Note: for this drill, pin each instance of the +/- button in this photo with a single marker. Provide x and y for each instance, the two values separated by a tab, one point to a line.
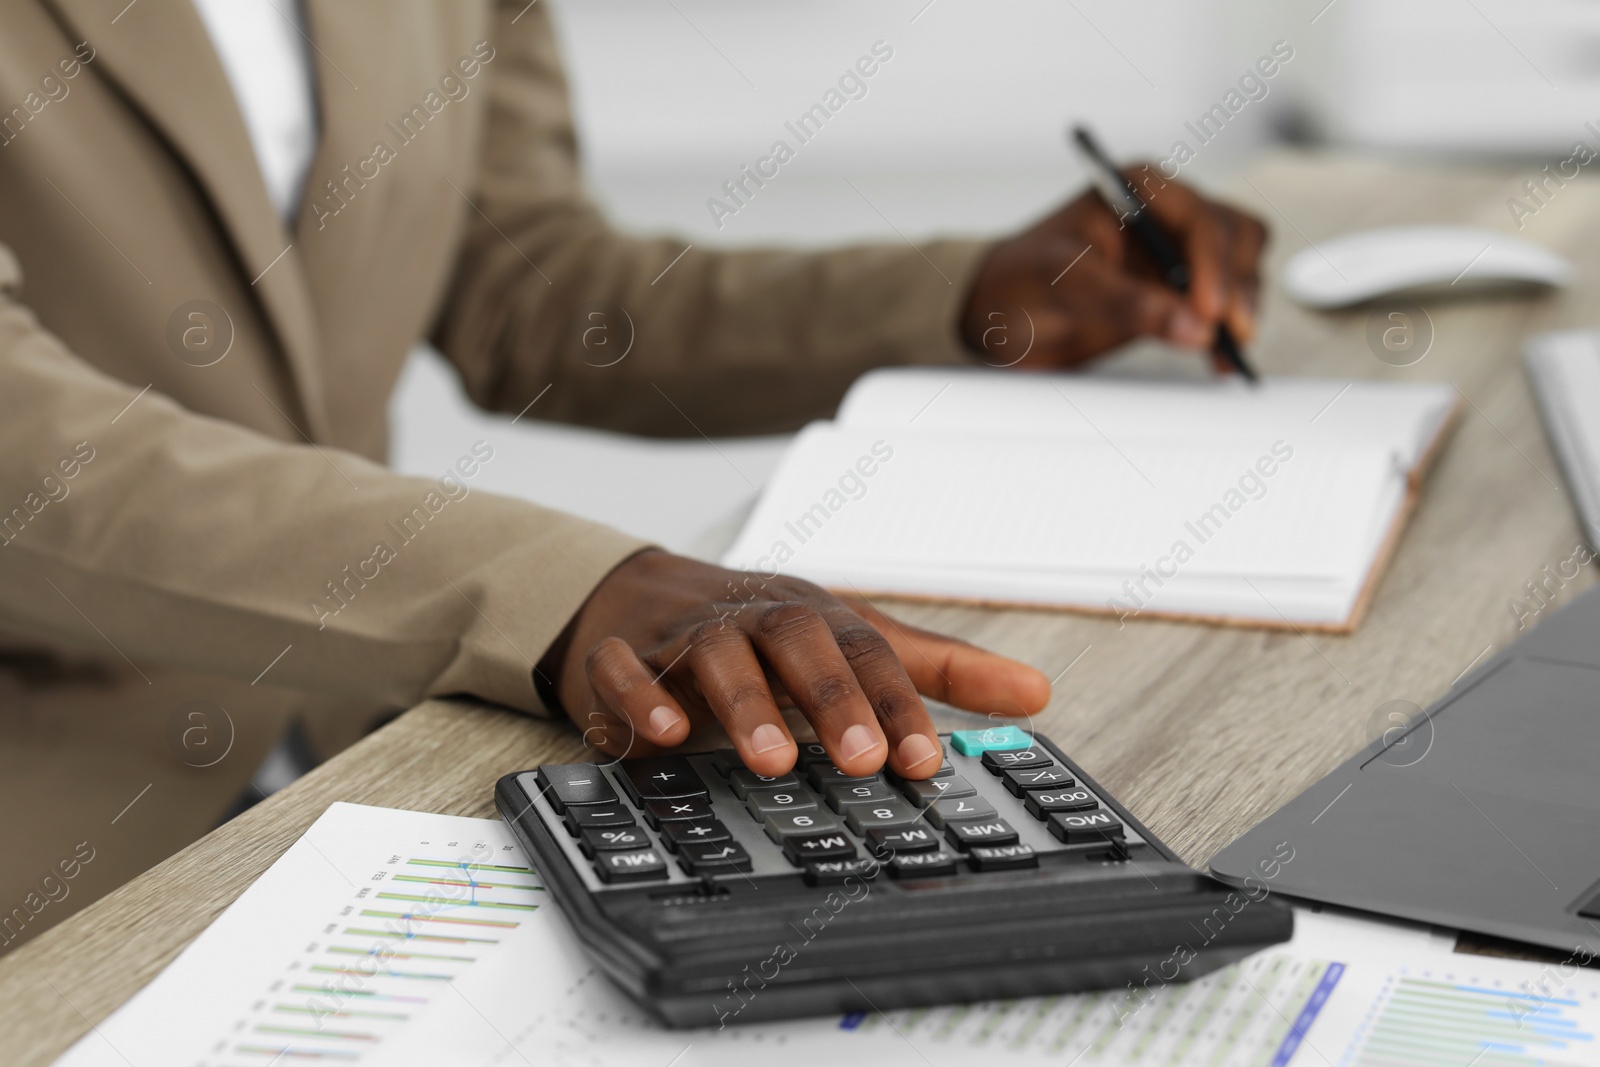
1019	782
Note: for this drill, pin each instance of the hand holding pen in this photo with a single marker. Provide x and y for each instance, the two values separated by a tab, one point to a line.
1082	281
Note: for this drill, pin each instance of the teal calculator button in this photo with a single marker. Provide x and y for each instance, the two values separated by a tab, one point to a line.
993	739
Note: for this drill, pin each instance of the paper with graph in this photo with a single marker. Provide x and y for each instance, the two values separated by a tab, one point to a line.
1274	505
402	939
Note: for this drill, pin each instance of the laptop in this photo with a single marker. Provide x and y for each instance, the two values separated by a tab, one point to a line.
1482	813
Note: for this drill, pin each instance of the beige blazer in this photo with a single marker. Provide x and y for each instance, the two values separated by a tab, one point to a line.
198	537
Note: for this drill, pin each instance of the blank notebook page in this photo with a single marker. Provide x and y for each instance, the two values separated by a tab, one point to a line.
1268	504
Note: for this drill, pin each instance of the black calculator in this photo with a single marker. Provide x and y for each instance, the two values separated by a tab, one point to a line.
714	895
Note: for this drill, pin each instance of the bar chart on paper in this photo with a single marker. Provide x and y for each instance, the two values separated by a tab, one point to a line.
1345	993
386	956
1446	1015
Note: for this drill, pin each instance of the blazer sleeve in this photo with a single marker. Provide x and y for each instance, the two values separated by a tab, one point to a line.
133	527
545	293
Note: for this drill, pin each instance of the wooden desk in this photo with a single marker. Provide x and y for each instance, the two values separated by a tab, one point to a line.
1201	731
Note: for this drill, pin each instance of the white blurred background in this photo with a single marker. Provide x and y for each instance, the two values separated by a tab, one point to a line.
961	131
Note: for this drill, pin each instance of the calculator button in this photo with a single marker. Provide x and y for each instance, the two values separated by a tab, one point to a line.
804	848
980	832
709	831
825	774
725	761
812	752
724	857
833	872
945	770
742	781
977	742
643	865
1087	827
613	839
1042	802
923	864
1016	759
926	792
943	811
660	778
596	815
842	795
763	802
1020	781
660	812
574	783
1001	857
892	812
782	824
893	840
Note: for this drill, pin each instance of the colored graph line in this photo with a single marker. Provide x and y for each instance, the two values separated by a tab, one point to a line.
412	917
289	1052
458	903
345	950
329	1035
319	990
343	1013
320	968
457	865
448	939
1429	1021
466	883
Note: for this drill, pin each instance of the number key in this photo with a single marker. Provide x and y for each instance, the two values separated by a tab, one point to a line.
1041	802
782	824
892	812
926	792
842	795
763	802
743	780
954	808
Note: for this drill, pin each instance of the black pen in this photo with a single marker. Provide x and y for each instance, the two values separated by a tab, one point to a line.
1123	199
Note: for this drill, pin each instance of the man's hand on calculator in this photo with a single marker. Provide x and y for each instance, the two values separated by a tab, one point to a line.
665	643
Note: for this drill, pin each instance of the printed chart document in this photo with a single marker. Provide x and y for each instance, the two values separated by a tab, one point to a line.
1275	505
403	939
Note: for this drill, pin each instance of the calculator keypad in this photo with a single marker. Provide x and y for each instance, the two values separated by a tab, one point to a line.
1001	802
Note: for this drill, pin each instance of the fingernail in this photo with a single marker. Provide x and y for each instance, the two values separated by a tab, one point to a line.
915	750
857	741
1189	329
663	719
767	737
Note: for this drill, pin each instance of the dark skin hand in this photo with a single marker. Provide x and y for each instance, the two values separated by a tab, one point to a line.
666	644
1024	311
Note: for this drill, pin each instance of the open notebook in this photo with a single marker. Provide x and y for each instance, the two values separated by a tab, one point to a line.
1268	506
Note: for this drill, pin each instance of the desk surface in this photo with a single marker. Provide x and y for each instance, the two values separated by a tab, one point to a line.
1200	731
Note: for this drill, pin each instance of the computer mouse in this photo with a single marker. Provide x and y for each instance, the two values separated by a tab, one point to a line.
1410	259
